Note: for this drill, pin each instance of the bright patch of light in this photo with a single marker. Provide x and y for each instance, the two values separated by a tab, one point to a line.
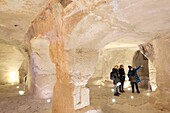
21	92
126	78
112	90
17	87
118	84
12	83
126	84
48	100
99	86
129	89
148	94
13	77
132	97
113	100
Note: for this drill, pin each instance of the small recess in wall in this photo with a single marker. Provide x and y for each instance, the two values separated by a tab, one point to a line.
16	25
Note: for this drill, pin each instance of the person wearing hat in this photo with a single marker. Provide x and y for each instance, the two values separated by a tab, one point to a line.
134	78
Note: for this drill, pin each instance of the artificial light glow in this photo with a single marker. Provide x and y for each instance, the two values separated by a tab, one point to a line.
17	87
132	97
48	100
113	100
148	94
13	77
99	86
129	89
21	92
112	90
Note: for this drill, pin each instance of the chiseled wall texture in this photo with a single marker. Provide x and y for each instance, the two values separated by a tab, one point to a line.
75	42
49	25
158	52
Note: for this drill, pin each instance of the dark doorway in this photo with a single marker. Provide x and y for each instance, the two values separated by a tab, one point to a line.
140	59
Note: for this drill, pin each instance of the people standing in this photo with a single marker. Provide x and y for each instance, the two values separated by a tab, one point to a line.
134	78
115	77
122	78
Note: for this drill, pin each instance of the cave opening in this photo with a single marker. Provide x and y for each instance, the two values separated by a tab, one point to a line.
148	73
11	60
100	85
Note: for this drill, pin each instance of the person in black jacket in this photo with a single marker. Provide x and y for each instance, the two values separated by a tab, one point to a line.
115	77
122	78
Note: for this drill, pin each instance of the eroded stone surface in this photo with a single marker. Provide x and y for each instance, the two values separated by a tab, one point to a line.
78	30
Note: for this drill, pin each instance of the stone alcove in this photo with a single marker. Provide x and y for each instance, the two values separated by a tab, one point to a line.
147	73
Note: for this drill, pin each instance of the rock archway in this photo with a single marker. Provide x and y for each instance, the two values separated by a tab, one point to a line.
75	42
147	73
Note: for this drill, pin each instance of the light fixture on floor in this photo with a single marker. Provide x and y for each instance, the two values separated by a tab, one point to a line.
112	90
129	89
48	100
132	97
17	87
21	92
148	94
113	100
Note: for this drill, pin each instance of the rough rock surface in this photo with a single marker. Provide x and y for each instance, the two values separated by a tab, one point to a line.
161	61
79	30
10	61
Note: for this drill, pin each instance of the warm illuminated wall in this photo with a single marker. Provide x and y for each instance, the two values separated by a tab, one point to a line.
79	30
10	61
114	56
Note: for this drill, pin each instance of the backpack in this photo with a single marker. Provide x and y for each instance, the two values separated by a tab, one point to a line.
111	76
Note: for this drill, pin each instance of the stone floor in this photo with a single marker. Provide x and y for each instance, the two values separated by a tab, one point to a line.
101	100
12	102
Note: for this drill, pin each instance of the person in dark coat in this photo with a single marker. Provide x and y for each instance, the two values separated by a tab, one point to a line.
134	78
116	79
122	78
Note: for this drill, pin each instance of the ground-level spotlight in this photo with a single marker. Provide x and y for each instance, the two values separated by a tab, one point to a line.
21	92
148	94
113	90
132	97
48	100
113	100
17	87
99	86
129	89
